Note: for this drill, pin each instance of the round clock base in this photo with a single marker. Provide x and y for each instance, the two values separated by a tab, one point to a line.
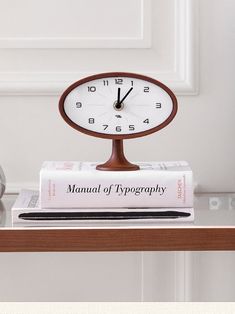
117	160
123	167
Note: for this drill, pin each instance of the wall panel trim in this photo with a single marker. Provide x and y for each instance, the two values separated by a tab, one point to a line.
142	40
182	79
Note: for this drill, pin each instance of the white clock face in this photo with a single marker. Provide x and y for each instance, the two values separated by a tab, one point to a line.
121	105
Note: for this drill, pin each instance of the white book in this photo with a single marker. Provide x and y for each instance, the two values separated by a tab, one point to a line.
78	184
26	211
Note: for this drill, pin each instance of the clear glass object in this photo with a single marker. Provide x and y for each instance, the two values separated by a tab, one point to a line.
2	182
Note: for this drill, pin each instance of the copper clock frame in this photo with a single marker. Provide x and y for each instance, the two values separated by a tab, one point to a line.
117	161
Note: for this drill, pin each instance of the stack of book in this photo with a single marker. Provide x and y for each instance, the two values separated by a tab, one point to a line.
75	193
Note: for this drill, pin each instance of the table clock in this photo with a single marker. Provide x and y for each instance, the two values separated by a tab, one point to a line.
118	106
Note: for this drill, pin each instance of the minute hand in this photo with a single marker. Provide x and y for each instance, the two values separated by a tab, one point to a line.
126	95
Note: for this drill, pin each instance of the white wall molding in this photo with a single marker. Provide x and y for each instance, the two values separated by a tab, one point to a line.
16	187
183	276
182	79
141	40
186	46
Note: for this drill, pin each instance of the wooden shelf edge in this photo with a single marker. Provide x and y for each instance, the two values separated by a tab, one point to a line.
103	240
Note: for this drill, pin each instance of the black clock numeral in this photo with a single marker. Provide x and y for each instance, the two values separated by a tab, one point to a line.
91	120
118	81
131	127
132	83
118	128
146	89
105	82
158	105
91	89
105	126
146	121
78	104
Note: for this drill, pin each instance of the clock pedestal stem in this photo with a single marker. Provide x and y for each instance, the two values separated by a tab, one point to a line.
117	160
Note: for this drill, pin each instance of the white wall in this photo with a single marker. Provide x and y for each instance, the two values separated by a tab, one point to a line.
187	44
160	39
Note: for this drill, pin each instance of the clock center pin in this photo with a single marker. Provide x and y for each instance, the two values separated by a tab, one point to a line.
118	106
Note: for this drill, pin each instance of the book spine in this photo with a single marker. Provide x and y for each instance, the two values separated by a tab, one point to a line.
73	190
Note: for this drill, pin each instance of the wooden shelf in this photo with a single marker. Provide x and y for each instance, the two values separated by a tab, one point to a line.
167	239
